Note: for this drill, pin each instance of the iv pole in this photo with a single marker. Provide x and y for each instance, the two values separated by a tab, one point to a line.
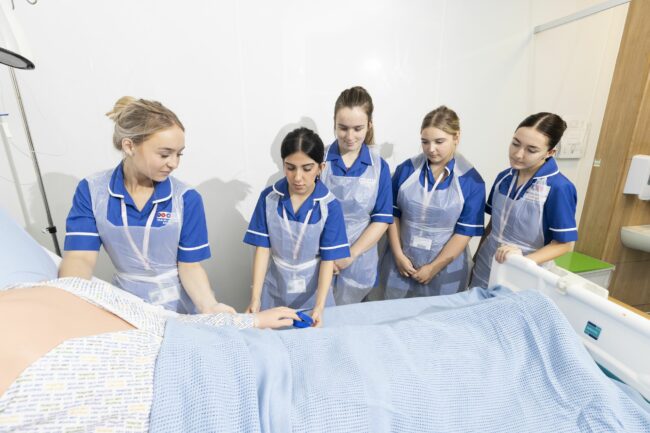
51	228
14	60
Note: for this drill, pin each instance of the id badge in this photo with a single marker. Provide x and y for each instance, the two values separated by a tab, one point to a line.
366	180
165	295
297	285
421	243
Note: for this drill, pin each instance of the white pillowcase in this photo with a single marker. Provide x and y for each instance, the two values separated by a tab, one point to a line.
22	259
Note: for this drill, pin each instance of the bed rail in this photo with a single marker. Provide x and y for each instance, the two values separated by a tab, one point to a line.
616	335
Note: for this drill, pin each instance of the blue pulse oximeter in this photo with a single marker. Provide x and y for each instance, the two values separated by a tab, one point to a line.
304	322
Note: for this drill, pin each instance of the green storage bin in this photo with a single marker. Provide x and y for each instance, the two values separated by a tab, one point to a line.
594	270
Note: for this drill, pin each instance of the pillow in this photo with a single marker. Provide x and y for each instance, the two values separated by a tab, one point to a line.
22	259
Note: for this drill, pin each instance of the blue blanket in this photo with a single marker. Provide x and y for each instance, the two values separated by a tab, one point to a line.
509	363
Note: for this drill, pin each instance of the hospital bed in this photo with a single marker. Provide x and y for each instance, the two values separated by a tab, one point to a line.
616	335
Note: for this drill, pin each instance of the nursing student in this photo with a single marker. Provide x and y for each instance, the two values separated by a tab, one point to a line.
532	204
439	205
360	180
151	224
298	231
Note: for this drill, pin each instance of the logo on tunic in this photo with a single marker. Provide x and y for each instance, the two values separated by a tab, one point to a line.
163	217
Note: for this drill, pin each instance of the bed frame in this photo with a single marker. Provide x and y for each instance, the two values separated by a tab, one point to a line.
616	335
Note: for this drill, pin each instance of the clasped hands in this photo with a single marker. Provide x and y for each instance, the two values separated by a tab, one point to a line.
422	275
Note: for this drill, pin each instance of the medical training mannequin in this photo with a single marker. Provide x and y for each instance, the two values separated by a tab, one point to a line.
532	204
35	320
151	225
439	203
360	180
298	224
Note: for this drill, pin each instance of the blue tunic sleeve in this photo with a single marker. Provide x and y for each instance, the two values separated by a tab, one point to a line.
258	232
560	211
383	210
193	245
488	205
334	239
472	217
80	226
402	172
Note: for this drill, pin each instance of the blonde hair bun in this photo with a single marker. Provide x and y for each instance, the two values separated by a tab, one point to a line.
119	106
443	118
138	119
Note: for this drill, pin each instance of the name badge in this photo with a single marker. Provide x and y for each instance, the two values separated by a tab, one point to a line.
367	180
297	285
164	295
421	243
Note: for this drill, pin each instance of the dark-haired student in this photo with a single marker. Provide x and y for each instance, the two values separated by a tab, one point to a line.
298	231
532	204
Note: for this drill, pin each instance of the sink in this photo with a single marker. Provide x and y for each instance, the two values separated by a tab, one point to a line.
636	237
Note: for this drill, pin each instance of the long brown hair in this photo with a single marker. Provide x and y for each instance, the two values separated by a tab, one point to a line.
357	97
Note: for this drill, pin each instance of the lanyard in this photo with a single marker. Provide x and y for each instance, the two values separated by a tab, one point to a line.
303	229
142	254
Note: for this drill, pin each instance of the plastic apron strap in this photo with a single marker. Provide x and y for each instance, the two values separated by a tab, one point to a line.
428	194
507	209
147	232
136	250
301	234
145	279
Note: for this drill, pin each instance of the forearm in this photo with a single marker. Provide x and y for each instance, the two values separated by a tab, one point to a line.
324	282
78	264
452	249
260	266
196	284
394	239
240	321
368	239
551	251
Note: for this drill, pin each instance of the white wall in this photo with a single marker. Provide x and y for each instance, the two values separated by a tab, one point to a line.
572	73
241	74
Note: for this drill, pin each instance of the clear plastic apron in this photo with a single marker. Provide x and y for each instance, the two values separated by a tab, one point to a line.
357	196
426	225
145	257
514	222
292	277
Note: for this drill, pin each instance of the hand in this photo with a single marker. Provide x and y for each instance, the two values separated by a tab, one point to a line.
505	250
218	307
317	315
254	306
404	266
341	264
426	273
278	317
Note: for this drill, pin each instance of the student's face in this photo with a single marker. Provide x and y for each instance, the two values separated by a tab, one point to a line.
159	155
351	126
301	172
437	145
528	149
